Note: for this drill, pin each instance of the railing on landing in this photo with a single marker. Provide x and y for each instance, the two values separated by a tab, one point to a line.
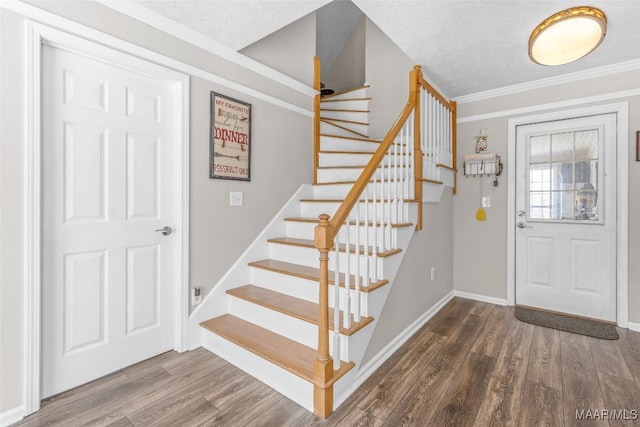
378	200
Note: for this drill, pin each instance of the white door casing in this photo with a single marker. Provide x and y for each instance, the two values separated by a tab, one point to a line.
565	253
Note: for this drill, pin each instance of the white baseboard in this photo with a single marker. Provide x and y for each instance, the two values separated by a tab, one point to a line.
633	326
377	361
483	298
11	416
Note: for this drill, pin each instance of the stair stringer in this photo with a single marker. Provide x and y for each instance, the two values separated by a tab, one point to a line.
216	302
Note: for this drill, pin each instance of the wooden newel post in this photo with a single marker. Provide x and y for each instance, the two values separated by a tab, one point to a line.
323	365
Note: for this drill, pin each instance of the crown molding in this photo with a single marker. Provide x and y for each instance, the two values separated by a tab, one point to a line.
155	20
36	14
551	81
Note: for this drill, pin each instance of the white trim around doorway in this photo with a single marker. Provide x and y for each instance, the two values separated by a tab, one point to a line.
36	35
621	109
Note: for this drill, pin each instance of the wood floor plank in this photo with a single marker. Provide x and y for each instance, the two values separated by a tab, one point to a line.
503	399
608	358
230	393
423	398
629	344
492	335
460	405
159	409
541	405
360	418
580	386
260	400
197	413
622	396
390	389
545	367
448	323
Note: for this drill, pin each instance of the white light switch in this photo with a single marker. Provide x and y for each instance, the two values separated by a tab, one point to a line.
486	202
235	198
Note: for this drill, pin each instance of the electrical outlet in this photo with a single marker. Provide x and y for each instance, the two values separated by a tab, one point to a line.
433	274
486	201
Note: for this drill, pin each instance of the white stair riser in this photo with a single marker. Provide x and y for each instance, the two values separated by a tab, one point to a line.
339	159
281	380
342	174
330	143
288	326
309	257
432	193
294	286
345	104
352	116
359	93
447	176
339	191
304	230
358	128
314	209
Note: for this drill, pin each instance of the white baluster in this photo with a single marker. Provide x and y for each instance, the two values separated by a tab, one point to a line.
336	305
367	277
358	258
347	276
374	265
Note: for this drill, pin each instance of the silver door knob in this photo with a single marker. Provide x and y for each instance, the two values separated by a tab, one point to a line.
165	230
523	225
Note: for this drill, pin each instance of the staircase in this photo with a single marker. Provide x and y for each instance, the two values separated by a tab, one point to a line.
264	314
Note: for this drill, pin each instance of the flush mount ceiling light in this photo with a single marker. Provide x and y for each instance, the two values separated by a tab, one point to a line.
567	36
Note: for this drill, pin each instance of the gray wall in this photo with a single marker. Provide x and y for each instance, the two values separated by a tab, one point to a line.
348	70
289	50
387	71
219	233
413	293
480	248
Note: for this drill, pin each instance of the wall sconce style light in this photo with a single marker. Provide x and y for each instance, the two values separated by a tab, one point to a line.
567	36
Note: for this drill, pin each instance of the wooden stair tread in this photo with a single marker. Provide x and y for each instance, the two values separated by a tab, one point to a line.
305	243
351	131
440	165
295	307
333	95
310	273
393	224
353	182
365	139
331	119
342	200
344	110
281	351
432	181
357	167
354	152
327	99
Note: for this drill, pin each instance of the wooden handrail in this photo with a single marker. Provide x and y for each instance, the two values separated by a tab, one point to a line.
354	194
316	117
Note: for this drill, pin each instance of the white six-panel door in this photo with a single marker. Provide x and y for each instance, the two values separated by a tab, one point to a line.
108	137
566	216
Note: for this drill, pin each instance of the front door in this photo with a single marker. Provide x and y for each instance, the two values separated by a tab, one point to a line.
566	216
108	136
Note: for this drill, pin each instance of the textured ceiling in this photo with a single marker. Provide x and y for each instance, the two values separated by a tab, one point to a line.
464	46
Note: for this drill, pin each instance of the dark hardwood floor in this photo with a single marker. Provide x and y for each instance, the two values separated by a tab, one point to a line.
473	364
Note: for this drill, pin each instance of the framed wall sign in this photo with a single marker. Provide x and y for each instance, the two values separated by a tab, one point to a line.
230	138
